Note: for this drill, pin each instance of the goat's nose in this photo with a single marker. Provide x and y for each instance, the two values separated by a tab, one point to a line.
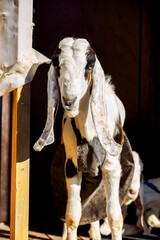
69	102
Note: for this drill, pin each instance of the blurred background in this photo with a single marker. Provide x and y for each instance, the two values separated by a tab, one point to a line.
125	36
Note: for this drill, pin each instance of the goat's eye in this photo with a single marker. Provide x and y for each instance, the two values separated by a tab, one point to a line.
90	57
55	60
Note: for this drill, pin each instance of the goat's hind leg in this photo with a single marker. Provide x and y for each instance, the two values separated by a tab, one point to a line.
94	232
73	210
64	233
111	172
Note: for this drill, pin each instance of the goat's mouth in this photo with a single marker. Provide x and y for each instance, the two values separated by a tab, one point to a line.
70	106
72	113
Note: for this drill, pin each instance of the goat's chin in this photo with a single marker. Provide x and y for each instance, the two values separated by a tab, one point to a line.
73	113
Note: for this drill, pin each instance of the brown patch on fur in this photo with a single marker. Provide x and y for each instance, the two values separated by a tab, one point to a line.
88	76
71	224
116	226
90	57
119	132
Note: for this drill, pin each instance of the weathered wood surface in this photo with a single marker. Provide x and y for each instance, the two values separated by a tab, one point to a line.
20	163
18	61
4	235
5	115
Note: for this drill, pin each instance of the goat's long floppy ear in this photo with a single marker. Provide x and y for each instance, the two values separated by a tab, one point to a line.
47	136
99	111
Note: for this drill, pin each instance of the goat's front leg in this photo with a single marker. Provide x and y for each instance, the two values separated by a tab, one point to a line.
111	172
74	209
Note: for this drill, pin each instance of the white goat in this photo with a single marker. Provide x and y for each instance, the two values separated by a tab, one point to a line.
93	113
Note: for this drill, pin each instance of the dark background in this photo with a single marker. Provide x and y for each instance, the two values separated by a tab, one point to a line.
125	36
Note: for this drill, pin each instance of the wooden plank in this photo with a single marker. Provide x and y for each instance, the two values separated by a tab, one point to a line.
5	157
0	123
4	234
19	213
15	42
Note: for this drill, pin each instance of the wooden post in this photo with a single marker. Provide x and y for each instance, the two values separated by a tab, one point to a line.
5	144
19	213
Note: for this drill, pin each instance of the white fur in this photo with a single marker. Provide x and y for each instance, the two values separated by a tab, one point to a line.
72	84
96	114
72	63
136	180
131	196
94	232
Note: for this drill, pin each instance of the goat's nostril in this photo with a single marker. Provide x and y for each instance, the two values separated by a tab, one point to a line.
69	102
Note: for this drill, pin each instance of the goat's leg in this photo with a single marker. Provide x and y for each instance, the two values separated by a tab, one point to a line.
105	228
111	172
73	210
94	232
64	234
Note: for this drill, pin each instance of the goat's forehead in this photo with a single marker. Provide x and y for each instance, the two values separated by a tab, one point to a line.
80	44
73	50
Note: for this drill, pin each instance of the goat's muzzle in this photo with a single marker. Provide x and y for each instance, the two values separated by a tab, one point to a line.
69	104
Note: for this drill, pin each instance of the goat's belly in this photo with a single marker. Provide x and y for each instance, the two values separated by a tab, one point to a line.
92	190
90	156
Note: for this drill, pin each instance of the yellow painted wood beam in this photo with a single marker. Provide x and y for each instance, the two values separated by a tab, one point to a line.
20	161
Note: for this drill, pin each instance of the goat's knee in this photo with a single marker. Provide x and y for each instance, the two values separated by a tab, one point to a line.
73	216
72	221
111	172
115	218
116	224
74	209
